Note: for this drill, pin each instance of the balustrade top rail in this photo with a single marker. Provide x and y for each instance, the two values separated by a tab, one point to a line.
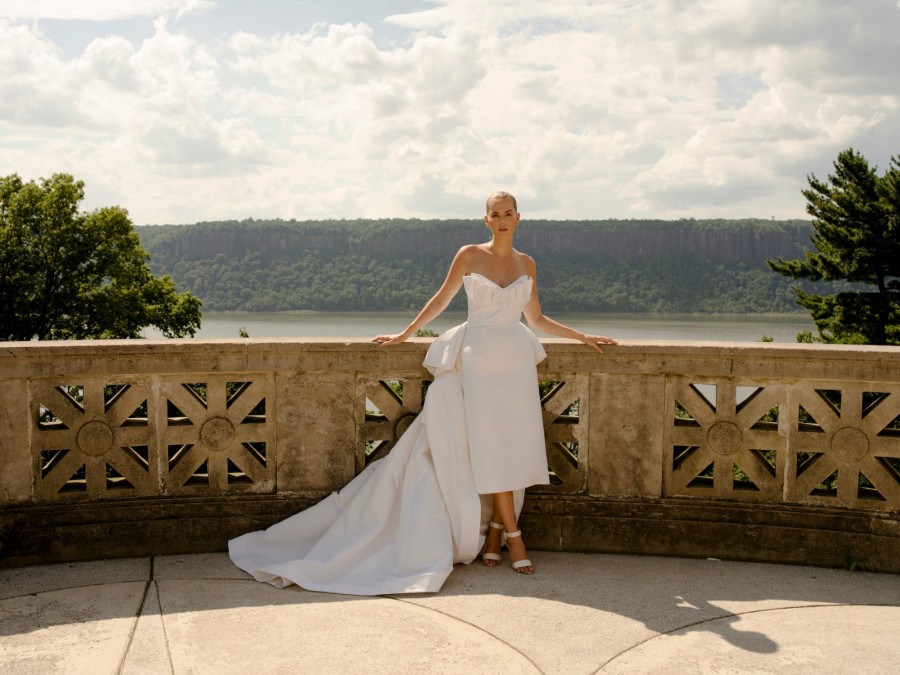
145	356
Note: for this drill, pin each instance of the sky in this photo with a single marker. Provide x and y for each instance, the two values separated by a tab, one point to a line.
194	110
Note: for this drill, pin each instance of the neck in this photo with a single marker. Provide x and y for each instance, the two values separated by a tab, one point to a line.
503	247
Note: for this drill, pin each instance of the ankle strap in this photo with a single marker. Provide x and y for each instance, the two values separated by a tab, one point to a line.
512	535
496	526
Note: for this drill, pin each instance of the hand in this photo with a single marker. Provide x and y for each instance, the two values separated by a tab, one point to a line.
388	340
595	341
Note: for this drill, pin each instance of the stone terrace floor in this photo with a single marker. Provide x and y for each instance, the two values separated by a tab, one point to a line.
578	614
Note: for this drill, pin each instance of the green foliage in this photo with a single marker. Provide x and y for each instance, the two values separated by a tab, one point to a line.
715	266
767	338
857	240
68	275
426	332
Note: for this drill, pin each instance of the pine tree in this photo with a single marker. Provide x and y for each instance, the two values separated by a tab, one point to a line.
856	234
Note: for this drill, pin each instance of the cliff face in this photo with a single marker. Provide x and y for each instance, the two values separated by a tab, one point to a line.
726	247
721	247
732	245
390	265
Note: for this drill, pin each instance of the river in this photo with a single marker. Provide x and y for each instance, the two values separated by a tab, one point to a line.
723	327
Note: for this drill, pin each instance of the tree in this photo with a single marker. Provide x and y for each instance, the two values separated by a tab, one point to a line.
856	233
70	275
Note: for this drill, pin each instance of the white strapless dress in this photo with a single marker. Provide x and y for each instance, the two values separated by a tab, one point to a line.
401	524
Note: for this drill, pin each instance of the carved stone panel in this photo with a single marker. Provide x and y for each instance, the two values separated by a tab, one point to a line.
845	444
93	439
723	440
219	434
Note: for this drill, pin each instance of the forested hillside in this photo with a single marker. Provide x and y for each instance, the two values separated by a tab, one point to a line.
711	266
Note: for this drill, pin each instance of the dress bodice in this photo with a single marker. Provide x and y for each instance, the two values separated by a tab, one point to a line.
489	305
493	305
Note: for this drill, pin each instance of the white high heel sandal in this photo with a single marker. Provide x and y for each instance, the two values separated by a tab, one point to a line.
492	559
519	564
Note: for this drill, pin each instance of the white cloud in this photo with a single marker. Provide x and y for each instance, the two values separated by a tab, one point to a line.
99	10
31	93
623	108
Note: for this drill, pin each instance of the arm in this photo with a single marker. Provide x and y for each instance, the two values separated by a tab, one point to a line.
439	301
539	321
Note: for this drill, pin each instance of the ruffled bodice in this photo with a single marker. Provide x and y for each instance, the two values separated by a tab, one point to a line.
489	305
493	305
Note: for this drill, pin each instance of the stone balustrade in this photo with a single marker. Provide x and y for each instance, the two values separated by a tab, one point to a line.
769	452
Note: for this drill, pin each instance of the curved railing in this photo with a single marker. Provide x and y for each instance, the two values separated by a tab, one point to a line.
787	453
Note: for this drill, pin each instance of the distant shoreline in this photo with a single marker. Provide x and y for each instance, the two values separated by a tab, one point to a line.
728	327
388	312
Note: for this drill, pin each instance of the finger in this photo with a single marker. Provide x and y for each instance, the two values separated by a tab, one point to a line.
592	343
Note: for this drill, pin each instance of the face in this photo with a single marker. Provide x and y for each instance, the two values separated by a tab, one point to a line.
501	217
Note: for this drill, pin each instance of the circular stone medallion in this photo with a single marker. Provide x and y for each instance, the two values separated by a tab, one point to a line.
217	433
849	444
724	437
94	438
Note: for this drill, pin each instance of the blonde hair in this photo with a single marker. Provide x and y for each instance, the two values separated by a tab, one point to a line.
500	195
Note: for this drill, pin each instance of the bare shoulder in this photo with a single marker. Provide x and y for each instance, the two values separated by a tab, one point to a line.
529	263
464	259
469	253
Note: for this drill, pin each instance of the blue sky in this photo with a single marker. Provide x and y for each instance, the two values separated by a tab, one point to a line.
189	110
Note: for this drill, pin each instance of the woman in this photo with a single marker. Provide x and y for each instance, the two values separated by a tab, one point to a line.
460	469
